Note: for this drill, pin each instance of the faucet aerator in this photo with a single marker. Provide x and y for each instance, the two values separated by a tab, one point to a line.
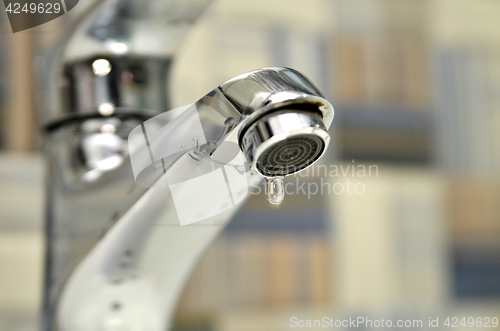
285	142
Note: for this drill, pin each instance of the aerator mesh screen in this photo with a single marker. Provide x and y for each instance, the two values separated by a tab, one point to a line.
290	155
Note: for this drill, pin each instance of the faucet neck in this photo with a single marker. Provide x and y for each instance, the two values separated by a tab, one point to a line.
118	55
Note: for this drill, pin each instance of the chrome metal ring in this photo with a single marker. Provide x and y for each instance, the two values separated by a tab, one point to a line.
283	143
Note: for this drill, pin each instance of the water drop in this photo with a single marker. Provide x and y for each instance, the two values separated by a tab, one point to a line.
275	191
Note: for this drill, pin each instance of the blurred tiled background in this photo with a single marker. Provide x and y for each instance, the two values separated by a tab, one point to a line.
415	85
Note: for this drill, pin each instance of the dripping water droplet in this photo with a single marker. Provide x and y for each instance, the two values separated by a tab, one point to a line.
275	192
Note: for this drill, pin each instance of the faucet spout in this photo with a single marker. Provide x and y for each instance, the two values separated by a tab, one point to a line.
276	119
118	253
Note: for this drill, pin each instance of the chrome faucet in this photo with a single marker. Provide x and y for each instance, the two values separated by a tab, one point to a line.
117	255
